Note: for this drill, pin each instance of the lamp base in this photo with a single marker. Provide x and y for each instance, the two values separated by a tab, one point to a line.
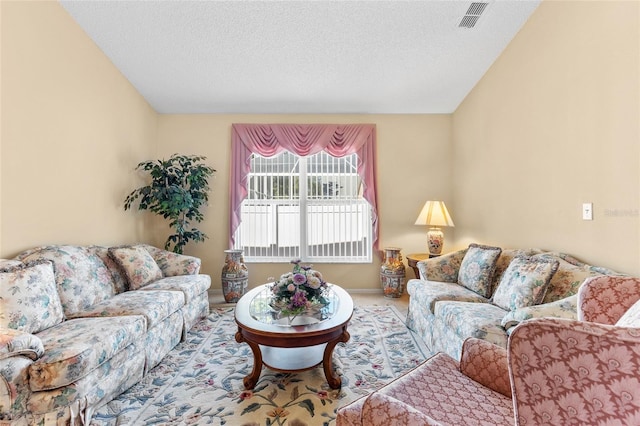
435	241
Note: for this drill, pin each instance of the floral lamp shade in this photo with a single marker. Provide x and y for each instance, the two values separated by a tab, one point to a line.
434	214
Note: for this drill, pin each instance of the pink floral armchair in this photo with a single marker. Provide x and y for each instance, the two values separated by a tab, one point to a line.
554	372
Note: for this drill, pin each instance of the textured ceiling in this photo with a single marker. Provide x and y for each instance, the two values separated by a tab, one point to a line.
300	56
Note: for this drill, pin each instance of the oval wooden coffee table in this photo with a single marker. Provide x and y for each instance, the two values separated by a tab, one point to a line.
305	343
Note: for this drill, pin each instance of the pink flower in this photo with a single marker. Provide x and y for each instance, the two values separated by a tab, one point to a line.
299	279
298	299
291	287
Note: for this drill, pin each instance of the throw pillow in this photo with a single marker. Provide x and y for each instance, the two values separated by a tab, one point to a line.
137	265
631	318
525	282
570	275
476	269
173	264
29	299
82	279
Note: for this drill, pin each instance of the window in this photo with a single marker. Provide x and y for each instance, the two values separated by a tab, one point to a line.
311	192
309	207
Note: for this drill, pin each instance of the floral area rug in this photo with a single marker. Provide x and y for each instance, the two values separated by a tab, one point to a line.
200	381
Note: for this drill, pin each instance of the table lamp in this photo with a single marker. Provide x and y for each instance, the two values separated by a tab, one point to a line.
434	214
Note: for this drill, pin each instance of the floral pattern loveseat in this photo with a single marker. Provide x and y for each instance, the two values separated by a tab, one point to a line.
484	292
81	324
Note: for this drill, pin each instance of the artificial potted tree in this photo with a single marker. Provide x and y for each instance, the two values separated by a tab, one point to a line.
178	190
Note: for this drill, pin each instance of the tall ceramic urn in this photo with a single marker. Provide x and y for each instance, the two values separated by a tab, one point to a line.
392	273
235	276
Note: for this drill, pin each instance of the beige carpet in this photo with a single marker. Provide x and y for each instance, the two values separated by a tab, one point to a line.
200	381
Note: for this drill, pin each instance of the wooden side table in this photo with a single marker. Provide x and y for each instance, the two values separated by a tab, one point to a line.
413	259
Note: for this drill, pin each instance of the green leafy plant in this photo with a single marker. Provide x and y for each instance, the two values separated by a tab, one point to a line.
179	188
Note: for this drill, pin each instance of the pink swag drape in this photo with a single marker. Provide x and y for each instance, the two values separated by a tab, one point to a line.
268	140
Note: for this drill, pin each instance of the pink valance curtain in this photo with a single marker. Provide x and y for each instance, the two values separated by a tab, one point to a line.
268	140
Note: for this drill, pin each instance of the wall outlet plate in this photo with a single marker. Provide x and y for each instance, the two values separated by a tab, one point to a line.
587	211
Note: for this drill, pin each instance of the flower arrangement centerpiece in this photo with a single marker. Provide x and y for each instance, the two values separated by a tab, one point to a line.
302	290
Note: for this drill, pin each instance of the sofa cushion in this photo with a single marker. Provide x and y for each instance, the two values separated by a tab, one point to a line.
427	293
173	264
567	279
384	410
525	282
442	268
155	306
440	390
137	264
119	280
563	308
81	277
76	347
190	285
467	319
477	268
29	299
505	259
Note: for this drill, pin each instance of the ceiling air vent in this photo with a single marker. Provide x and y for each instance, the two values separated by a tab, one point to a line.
470	19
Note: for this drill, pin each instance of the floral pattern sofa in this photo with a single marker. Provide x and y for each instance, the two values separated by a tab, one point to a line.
81	324
485	291
554	371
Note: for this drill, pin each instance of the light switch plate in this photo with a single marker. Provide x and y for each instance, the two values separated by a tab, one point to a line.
587	211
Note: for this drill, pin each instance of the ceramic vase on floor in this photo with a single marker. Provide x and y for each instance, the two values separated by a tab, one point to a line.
235	276
392	273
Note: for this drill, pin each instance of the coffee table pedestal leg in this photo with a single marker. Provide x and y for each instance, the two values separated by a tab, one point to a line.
251	380
333	380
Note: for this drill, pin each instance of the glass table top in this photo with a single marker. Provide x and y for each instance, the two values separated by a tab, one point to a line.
261	310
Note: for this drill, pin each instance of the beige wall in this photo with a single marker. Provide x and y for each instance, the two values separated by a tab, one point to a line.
1	133
413	165
72	130
555	123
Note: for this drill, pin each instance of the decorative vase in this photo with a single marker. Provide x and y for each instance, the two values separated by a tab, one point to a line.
235	276
435	241
392	273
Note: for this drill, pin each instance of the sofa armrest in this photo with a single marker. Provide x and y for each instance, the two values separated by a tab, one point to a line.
173	264
563	308
18	350
486	363
442	268
574	372
604	299
14	387
384	410
18	343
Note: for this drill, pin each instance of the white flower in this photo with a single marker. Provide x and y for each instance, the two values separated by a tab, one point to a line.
313	273
286	276
314	282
